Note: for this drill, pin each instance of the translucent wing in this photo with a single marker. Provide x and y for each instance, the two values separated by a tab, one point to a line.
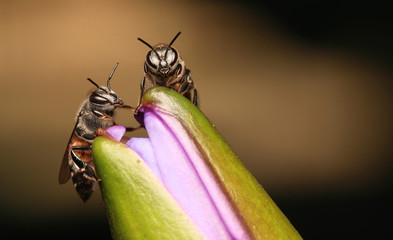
65	172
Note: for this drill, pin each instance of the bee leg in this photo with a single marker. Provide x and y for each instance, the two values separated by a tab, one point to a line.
188	86
195	98
131	129
82	165
184	87
125	139
143	83
128	107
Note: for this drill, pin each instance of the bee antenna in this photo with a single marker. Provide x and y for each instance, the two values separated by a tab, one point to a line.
110	76
144	42
173	40
94	83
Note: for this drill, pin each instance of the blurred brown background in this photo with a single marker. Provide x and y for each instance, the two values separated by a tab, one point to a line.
303	93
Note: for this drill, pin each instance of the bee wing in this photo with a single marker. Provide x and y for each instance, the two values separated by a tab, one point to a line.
65	172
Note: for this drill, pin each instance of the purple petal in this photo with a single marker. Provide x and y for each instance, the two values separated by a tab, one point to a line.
116	131
143	147
189	179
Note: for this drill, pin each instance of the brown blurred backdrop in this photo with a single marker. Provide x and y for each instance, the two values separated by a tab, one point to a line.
303	93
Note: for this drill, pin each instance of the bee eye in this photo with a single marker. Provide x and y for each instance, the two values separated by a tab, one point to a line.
153	59
171	57
113	94
97	99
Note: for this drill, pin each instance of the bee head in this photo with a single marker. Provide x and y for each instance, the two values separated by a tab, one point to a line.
104	96
162	59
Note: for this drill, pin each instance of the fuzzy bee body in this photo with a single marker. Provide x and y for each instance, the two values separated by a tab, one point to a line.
165	67
96	112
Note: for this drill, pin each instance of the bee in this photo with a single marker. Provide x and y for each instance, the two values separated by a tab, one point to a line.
165	67
96	112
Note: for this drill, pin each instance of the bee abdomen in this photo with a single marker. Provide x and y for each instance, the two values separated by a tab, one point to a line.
83	185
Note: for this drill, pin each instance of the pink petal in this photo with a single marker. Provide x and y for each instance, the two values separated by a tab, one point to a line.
143	147
116	131
187	176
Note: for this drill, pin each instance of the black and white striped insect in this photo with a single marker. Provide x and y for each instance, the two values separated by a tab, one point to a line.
97	111
165	67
